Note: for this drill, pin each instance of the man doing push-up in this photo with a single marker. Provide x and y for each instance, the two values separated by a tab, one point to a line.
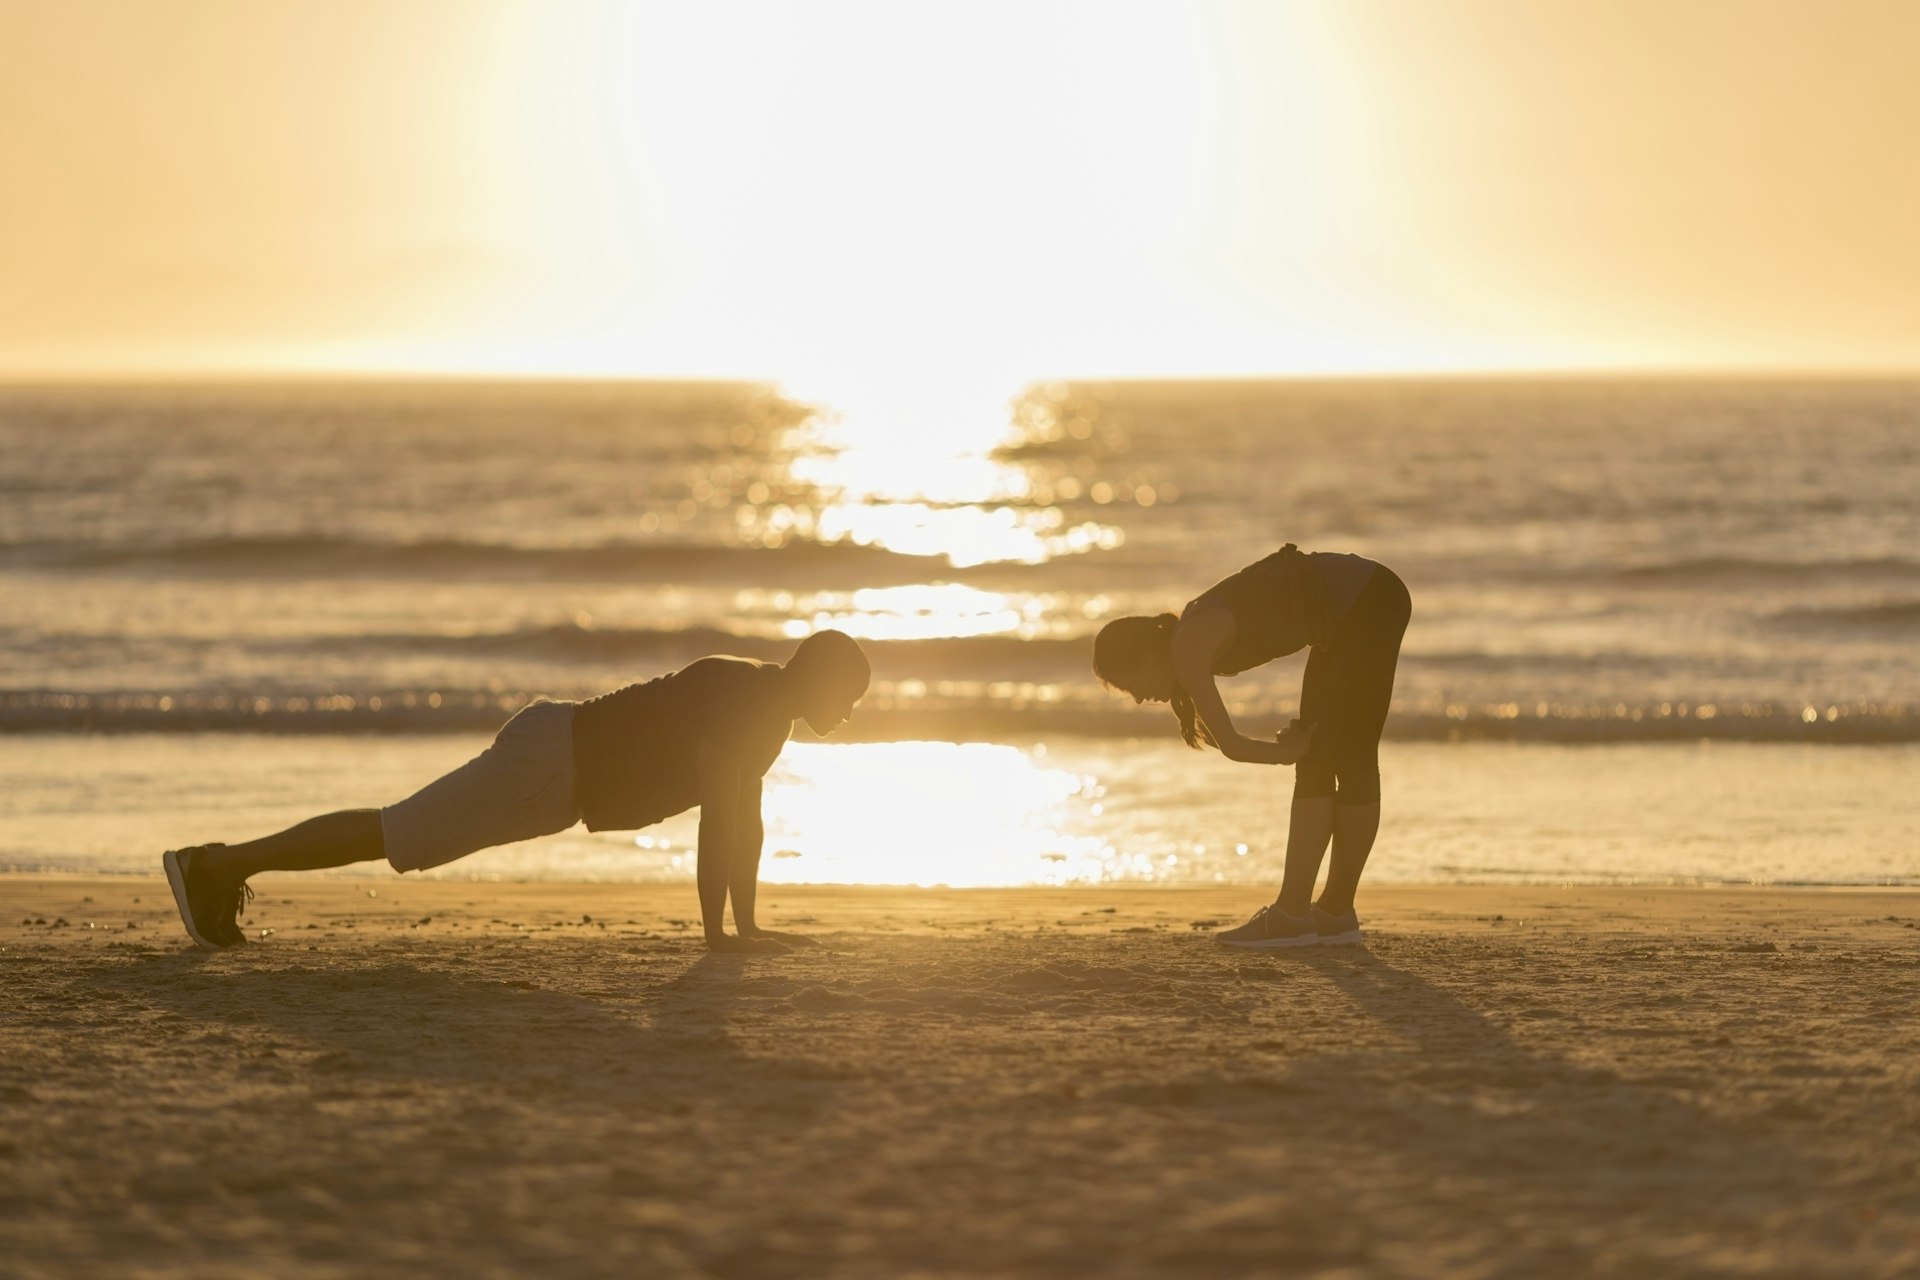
704	735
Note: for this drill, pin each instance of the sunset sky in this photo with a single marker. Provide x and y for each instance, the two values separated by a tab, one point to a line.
816	192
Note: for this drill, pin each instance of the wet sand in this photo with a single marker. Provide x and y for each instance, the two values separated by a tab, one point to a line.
499	1079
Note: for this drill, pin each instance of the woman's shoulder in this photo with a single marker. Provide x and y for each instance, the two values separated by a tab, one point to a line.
1205	625
1208	601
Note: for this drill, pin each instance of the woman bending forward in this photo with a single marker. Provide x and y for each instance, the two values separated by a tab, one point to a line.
1352	612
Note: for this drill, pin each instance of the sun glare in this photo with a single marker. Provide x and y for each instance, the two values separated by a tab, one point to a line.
912	469
999	191
919	612
857	813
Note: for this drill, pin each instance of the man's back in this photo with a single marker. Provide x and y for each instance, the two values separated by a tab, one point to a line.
634	750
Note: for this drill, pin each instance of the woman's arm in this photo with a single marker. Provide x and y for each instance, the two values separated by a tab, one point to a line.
1195	642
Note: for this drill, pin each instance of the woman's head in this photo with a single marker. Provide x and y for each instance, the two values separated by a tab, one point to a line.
1135	656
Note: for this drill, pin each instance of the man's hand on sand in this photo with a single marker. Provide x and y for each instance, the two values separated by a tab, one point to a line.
763	944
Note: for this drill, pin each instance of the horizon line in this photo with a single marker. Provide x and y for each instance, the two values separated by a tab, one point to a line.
215	376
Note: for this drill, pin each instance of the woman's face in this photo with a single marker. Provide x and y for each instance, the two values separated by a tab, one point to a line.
1150	680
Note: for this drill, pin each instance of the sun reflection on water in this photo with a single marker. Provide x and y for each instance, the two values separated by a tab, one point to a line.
918	612
929	813
912	611
925	473
966	535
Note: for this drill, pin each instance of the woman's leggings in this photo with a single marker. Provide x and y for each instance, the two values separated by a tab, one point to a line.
1348	684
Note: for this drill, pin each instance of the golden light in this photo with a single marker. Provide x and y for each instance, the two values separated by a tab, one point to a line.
857	813
990	192
909	465
917	612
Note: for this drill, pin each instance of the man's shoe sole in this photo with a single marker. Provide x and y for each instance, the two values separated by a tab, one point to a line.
177	879
1351	938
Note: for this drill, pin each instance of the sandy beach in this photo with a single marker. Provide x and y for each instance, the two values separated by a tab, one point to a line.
495	1079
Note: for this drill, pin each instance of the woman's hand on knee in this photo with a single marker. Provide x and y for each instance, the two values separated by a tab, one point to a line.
1295	741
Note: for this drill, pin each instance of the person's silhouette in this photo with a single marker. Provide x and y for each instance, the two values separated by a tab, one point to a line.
1353	613
704	735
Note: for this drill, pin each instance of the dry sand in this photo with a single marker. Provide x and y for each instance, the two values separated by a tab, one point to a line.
474	1080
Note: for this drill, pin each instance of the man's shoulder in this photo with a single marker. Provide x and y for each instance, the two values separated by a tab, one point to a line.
729	688
705	682
722	672
734	706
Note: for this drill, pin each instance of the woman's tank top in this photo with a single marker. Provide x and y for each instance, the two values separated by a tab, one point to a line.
1280	605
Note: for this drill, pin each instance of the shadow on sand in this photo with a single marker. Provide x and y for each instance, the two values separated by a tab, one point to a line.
1537	1137
662	1042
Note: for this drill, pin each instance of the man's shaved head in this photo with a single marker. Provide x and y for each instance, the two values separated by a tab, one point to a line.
834	673
834	658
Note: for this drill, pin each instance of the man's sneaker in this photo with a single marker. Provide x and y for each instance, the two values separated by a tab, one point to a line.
210	911
1337	930
1271	927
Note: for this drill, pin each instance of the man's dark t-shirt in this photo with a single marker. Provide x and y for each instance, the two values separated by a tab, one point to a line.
636	750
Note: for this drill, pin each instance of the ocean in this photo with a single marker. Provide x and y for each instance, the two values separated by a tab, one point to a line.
1605	572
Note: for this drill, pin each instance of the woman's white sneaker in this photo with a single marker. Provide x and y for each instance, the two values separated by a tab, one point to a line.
1336	930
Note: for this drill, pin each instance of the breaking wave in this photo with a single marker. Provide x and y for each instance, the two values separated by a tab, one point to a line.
956	711
826	564
1714	569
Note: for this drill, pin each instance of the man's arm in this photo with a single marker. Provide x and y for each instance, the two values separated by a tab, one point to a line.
719	784
743	869
743	878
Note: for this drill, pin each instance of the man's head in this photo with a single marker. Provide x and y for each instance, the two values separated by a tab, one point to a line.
830	674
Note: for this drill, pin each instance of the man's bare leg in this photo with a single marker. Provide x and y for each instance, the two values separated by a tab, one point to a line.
330	840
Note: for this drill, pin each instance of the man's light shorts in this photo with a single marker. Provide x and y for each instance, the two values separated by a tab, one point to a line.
518	788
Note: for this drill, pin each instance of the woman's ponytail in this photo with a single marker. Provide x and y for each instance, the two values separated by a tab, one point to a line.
1192	728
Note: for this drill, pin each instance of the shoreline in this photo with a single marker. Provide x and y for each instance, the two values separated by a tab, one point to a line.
385	900
423	713
357	878
1043	813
